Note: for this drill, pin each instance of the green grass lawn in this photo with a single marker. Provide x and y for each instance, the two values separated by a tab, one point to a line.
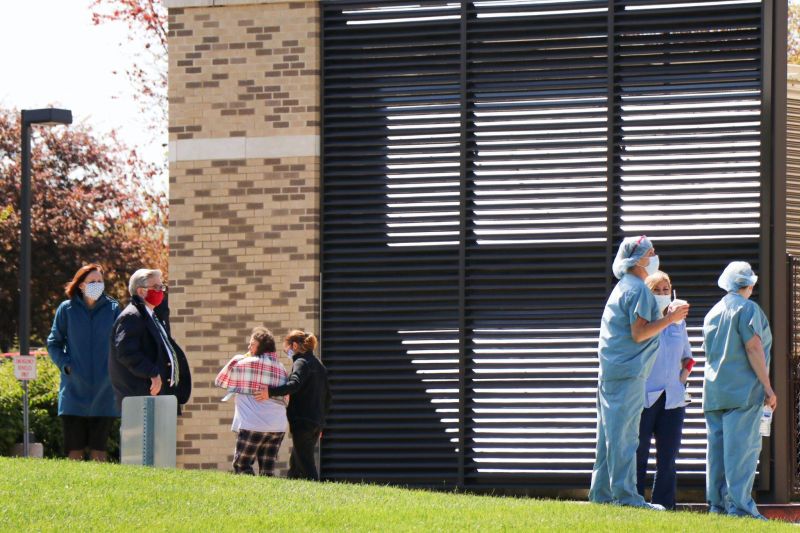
44	495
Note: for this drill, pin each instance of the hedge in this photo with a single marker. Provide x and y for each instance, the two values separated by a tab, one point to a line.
43	402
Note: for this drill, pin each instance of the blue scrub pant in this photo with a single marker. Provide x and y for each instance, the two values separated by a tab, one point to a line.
733	448
667	426
619	408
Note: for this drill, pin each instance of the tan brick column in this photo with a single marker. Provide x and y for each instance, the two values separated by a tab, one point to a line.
244	185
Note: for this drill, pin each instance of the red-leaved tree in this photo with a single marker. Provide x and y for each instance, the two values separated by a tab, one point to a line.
793	45
94	200
146	21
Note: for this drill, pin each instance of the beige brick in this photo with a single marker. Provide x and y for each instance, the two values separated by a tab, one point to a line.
228	79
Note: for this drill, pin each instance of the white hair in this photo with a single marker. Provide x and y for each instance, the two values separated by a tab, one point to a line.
140	278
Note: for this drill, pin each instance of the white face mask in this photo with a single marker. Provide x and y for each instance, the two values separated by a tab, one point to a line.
652	268
663	301
290	352
94	290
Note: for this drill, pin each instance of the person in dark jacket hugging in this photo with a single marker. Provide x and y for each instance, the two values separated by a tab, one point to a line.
145	360
309	401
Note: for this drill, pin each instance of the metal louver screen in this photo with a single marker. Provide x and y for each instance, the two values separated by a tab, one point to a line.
481	163
793	168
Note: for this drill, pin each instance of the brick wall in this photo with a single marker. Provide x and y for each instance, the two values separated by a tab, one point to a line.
244	180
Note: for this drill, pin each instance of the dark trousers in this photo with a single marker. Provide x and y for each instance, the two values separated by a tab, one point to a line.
302	464
667	426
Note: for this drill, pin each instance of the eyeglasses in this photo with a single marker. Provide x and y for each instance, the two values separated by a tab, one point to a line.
635	246
159	287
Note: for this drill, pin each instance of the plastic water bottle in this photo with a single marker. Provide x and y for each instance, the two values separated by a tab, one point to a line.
766	422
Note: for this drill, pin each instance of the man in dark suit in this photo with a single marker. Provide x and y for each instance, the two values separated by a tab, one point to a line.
144	358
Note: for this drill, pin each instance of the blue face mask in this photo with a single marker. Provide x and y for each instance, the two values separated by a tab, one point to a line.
663	301
290	352
652	268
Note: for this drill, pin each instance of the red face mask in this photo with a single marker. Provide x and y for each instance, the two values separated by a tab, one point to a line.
154	297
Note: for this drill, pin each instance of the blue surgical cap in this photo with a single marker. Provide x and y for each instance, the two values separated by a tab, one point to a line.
737	275
630	252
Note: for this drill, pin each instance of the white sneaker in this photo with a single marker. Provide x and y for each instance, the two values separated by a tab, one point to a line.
654	507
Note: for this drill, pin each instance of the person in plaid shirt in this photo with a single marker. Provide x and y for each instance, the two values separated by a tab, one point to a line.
260	426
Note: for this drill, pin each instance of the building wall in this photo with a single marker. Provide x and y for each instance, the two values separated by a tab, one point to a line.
244	184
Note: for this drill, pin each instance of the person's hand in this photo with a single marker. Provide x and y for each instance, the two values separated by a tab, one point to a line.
155	385
684	376
771	399
677	314
262	395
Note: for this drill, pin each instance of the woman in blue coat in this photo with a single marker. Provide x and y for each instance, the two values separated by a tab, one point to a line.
737	341
78	344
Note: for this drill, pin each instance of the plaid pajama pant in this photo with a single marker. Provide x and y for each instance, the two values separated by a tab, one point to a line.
252	445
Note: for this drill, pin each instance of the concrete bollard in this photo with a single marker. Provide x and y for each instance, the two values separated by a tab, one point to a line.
35	449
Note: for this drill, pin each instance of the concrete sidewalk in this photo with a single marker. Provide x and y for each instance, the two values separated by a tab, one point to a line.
789	512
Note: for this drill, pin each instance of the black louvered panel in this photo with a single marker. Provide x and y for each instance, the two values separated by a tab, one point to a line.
692	457
390	255
688	156
689	119
481	159
536	255
532	403
793	166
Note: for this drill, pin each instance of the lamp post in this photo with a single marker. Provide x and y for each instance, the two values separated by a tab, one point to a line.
30	117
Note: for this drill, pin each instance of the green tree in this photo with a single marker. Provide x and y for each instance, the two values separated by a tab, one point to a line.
94	200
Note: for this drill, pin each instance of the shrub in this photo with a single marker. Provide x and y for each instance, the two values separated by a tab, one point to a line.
43	411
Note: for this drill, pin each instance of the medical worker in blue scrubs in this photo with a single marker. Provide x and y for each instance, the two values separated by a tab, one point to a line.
627	349
737	342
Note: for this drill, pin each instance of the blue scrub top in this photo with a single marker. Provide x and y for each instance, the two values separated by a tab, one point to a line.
673	350
730	382
620	356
